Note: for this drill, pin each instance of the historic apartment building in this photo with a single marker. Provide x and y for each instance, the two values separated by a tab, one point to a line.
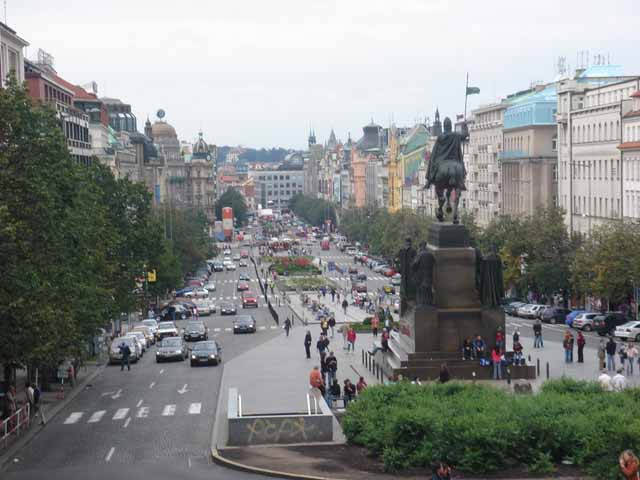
11	54
630	148
592	186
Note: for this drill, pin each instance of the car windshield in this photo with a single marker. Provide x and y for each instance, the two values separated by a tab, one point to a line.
195	326
244	320
204	346
171	342
150	323
226	306
166	325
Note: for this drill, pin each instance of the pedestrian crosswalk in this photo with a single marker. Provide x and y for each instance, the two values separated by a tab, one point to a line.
346	278
169	410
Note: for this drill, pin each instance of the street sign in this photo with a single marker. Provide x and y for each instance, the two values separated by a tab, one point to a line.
151	276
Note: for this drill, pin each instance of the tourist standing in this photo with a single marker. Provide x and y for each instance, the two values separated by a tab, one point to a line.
307	343
581	341
632	355
537	333
351	340
602	353
611	354
567	344
496	358
629	465
375	322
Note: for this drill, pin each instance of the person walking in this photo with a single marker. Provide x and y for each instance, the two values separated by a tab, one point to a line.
324	326
622	354
287	326
348	391
322	345
332	324
611	354
333	295
334	392
375	323
332	367
632	355
125	351
496	359
567	345
316	382
516	336
351	340
345	304
537	333
581	341
361	385
602	353
307	344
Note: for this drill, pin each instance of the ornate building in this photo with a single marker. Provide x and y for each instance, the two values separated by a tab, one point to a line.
201	178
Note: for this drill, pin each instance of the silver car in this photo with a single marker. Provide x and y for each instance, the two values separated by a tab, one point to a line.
115	356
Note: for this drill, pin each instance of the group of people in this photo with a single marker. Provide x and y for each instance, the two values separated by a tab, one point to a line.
476	349
11	404
568	343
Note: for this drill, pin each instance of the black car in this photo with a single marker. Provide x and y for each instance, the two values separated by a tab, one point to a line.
244	324
176	311
171	348
606	323
555	315
218	267
206	353
228	309
195	331
512	308
362	277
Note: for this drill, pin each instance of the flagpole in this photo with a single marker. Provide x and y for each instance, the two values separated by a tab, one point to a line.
466	94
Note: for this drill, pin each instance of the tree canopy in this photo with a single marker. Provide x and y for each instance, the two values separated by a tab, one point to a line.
314	211
234	199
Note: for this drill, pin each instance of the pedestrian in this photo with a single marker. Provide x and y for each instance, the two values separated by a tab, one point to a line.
537	332
361	385
11	405
307	343
348	391
581	341
629	465
316	382
324	325
333	294
444	376
125	352
516	336
632	355
287	326
622	354
517	353
332	324
467	349
611	355
345	304
479	347
499	338
334	392
619	382
337	297
567	344
344	329
322	345
602	353
375	322
332	366
496	358
351	339
605	380
440	471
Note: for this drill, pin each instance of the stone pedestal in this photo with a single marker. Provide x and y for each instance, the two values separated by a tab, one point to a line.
430	336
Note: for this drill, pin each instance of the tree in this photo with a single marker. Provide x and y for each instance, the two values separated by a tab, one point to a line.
314	211
234	199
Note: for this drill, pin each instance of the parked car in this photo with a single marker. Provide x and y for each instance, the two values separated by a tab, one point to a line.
206	353
584	321
396	279
629	331
512	308
166	329
249	299
554	315
140	337
531	311
114	350
379	267
195	331
227	309
199	292
244	324
171	348
571	316
210	286
606	323
389	272
522	308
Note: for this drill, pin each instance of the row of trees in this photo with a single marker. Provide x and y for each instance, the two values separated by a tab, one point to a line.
538	254
314	211
74	240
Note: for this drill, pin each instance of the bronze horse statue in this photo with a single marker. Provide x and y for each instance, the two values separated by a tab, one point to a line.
446	169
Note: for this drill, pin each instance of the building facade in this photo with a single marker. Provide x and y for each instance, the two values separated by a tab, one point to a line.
276	187
11	55
630	148
590	112
201	181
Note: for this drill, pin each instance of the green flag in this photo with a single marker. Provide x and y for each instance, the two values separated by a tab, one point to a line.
472	90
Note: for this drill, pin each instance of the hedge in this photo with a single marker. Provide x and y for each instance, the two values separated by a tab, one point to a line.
480	429
304	283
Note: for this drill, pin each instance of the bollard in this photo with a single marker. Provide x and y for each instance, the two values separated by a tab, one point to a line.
538	366
547	370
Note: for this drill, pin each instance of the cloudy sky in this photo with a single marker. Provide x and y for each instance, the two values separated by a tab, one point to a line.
260	72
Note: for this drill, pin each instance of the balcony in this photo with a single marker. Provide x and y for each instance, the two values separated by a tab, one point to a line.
562	117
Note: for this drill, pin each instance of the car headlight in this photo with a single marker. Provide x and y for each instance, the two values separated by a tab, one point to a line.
178	351
212	356
193	357
158	353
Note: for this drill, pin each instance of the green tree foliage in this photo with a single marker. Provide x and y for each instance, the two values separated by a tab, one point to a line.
234	199
313	210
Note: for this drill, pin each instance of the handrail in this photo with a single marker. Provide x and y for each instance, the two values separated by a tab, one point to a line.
239	405
14	422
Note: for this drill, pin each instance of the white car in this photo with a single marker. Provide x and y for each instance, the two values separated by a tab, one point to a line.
152	323
396	279
141	338
210	286
584	321
197	292
628	331
114	350
521	310
379	267
230	266
531	311
204	307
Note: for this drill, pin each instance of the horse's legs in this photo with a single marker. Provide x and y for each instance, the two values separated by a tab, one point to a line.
456	203
448	192
441	200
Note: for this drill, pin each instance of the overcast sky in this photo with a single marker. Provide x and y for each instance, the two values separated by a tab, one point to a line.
260	72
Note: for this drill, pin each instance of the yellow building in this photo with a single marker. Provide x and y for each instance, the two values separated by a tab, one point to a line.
394	175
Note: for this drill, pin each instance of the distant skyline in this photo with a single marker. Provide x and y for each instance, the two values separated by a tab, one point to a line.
261	74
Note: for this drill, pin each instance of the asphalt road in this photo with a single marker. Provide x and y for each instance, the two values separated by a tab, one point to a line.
155	420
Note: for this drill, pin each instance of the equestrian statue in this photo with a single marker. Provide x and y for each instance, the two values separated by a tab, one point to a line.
446	169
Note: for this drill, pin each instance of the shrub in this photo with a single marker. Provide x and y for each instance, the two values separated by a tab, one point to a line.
480	429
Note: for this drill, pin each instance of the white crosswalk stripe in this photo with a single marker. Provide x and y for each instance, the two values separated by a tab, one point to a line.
169	411
73	418
121	414
97	416
143	412
216	329
195	408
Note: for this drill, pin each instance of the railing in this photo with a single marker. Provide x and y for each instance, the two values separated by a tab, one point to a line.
17	421
315	404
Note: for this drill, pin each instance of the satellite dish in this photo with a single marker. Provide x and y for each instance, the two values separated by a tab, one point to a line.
160	113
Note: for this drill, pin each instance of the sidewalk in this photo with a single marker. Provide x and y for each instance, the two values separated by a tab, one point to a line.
354	314
51	403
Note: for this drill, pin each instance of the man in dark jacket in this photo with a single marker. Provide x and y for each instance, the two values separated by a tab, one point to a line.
611	355
125	351
332	367
321	345
307	343
537	333
345	304
332	324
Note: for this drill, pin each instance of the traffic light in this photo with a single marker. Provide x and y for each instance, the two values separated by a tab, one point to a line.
151	276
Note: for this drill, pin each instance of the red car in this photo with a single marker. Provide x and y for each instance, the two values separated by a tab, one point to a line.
353	270
361	287
249	299
389	272
244	254
243	286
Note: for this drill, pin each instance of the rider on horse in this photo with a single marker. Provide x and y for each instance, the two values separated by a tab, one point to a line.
446	168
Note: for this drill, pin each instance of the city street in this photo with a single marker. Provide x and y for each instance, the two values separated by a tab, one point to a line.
157	418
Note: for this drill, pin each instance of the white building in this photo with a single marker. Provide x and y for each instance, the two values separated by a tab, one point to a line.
591	184
630	148
11	54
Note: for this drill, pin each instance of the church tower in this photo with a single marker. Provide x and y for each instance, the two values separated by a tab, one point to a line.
436	128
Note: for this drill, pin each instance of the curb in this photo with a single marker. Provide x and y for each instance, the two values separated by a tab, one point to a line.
225	462
35	430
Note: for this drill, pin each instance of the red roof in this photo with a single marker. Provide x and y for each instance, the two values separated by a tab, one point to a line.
635	94
629	146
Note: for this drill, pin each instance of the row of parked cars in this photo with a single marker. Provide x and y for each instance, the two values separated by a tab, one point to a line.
604	323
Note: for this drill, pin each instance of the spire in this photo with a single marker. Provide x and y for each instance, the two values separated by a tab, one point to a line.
147	128
436	128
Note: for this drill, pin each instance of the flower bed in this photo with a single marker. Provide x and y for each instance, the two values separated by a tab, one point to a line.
293	265
305	283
